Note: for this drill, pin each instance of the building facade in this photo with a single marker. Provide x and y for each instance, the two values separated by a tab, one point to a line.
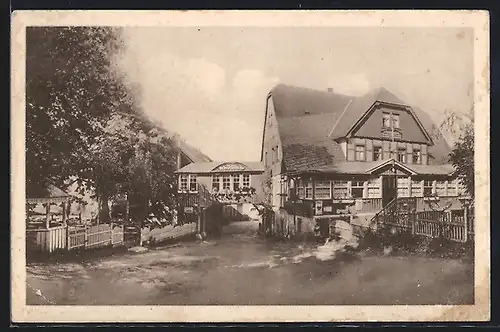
336	156
235	184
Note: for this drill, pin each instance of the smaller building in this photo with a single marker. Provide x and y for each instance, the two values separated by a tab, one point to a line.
236	184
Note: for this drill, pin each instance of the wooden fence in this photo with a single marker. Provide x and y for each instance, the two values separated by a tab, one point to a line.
456	225
74	237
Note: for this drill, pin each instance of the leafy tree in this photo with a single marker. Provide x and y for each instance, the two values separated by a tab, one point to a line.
462	157
82	121
71	89
460	126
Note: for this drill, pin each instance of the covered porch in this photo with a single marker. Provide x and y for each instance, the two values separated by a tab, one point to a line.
366	187
47	228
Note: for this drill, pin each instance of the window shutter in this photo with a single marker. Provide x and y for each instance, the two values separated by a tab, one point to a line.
385	150
423	152
369	150
350	150
409	152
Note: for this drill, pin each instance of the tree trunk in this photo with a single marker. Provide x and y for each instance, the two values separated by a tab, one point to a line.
104	210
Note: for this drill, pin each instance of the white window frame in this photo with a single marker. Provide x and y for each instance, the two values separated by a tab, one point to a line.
235	177
374	183
357	184
426	186
323	184
193	179
386	116
403	185
341	184
246	184
216	180
441	188
402	155
361	152
395	120
186	182
416	185
228	178
300	189
308	188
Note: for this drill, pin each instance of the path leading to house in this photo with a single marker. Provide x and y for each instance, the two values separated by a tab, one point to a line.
241	268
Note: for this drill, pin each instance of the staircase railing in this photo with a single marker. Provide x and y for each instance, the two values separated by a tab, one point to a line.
398	212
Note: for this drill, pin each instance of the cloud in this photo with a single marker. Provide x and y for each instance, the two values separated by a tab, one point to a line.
210	86
194	97
350	84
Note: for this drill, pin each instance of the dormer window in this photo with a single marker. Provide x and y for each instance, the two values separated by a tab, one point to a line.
360	153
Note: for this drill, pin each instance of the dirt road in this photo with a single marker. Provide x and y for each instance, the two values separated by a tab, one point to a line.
241	268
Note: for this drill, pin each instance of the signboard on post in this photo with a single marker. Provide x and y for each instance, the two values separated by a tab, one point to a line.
188	209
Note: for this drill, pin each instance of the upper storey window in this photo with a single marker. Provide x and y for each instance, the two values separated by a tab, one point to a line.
390	120
360	153
386	120
395	120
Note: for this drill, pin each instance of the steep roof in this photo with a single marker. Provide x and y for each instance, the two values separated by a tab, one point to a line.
193	153
359	106
305	119
207	167
305	141
291	100
308	121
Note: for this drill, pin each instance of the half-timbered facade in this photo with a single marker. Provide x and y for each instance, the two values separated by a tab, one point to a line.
332	155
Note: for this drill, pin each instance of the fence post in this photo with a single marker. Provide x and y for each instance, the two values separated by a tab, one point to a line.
466	223
111	232
67	237
413	221
85	236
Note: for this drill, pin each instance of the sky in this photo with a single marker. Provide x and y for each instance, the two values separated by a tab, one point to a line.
210	84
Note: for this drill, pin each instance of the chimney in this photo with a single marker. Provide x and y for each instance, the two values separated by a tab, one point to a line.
330	89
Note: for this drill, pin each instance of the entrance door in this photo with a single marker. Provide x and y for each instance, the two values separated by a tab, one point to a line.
389	189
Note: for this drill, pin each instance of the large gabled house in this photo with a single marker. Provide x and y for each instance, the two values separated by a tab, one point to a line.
340	156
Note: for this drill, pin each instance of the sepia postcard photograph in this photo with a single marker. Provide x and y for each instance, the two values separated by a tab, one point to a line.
250	166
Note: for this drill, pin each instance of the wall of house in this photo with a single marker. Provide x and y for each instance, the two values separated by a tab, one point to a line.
272	155
372	126
387	149
245	207
294	226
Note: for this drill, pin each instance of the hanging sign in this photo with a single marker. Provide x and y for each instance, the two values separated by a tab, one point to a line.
229	167
188	209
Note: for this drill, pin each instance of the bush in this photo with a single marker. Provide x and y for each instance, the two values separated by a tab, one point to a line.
406	242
